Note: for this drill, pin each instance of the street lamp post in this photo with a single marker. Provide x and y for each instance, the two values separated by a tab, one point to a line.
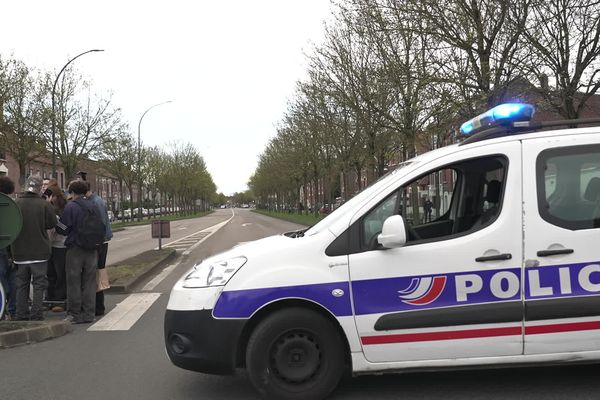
139	171
54	174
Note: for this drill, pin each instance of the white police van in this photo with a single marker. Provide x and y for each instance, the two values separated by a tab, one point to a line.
505	269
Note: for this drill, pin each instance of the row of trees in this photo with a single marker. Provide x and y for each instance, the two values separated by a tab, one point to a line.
394	77
90	126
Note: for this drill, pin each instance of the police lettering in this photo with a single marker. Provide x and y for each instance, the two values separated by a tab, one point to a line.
550	281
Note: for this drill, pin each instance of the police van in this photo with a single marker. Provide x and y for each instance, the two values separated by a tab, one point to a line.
504	270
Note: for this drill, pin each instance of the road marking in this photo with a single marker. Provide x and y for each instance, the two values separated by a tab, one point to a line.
170	244
210	231
126	313
158	278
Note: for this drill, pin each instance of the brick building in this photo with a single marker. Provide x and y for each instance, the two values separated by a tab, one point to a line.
101	182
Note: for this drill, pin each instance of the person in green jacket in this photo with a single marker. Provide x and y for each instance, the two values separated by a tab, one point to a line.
31	249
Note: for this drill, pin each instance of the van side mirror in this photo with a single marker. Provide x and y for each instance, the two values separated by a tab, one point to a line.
393	233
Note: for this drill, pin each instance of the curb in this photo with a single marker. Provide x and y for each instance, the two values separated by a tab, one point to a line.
26	332
32	332
126	286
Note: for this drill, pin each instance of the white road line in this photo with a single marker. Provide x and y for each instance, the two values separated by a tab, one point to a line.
210	230
126	313
158	278
185	237
216	228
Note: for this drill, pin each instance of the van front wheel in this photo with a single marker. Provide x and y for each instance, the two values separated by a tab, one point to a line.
295	354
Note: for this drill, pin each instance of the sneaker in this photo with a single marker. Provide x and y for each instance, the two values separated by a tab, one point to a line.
71	319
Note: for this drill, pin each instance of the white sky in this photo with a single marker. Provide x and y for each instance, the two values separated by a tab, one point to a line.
228	66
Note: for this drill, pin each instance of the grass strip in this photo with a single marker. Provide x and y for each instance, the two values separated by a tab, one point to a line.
302	219
123	271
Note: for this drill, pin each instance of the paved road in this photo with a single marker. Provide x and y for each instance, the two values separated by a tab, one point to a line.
136	239
131	363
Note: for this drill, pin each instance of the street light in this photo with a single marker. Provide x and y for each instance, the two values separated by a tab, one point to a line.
54	174
139	172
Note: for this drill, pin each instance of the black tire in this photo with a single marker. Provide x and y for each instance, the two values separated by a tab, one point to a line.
295	354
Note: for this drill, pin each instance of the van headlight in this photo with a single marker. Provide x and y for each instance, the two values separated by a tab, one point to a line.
216	273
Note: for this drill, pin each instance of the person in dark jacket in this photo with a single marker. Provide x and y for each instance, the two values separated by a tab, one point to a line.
103	250
7	270
31	249
80	263
57	284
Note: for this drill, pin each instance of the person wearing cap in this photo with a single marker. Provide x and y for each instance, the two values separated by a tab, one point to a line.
31	249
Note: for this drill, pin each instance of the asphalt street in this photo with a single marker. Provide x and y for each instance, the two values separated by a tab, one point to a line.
131	364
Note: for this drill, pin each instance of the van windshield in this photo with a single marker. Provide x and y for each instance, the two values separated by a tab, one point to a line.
357	199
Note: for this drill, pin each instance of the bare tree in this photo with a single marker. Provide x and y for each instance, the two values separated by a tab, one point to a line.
119	158
564	39
23	114
84	121
479	49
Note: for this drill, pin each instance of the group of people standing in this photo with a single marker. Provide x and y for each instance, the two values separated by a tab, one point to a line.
48	254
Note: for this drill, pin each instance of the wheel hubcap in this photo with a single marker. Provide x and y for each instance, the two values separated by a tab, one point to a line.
295	357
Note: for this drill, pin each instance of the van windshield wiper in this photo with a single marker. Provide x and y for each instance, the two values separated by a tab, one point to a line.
297	234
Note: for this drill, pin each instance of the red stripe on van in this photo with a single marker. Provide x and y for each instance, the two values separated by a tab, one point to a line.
480	333
446	335
557	328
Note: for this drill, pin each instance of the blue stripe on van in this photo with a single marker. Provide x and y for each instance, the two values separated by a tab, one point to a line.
244	303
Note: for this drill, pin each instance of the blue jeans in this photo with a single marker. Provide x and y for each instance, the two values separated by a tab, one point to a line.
7	279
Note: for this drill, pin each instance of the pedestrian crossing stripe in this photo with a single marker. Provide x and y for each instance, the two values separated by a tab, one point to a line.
126	313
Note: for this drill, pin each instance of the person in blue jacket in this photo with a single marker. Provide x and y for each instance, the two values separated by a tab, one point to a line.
103	250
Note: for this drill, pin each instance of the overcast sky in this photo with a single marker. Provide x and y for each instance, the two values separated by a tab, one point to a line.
228	66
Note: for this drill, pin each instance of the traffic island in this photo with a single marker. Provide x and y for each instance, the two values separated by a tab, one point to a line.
16	333
125	274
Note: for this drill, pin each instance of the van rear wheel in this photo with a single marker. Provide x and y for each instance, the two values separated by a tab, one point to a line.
295	354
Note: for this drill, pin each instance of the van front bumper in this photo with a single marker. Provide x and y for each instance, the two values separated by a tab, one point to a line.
196	341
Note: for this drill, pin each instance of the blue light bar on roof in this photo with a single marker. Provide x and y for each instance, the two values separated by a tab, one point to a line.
500	115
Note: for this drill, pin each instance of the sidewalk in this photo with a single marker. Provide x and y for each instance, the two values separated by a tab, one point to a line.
16	333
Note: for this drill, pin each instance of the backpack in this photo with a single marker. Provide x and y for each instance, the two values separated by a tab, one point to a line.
91	230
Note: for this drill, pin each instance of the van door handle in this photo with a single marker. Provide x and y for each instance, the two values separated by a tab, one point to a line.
497	257
546	253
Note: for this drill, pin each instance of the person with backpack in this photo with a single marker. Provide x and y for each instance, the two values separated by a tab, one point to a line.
102	250
85	234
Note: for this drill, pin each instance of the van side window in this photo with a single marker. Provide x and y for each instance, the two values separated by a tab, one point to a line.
568	186
445	202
